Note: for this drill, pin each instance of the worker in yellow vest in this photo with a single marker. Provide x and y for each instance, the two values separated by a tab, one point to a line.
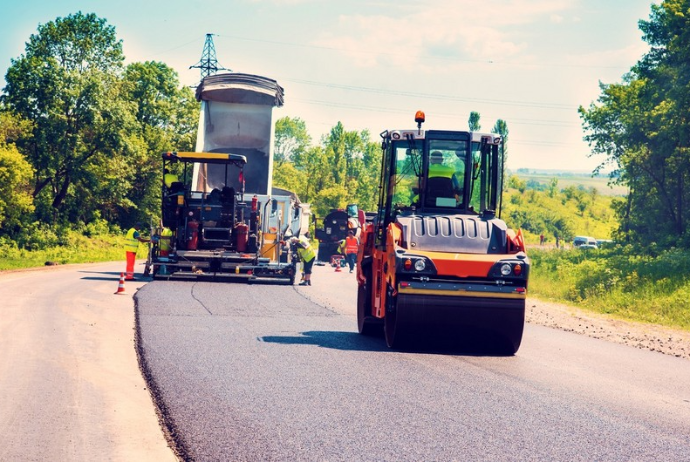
351	248
169	178
133	238
437	169
165	243
307	256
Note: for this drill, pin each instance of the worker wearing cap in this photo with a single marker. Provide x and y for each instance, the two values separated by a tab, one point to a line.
307	255
133	238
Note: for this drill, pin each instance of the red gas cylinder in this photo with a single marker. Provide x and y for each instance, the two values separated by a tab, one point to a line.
193	235
241	232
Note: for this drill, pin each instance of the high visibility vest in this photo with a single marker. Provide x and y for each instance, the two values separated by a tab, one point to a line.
440	171
169	179
351	245
444	171
132	243
305	250
166	236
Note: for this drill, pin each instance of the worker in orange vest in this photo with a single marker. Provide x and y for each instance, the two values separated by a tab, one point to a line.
351	248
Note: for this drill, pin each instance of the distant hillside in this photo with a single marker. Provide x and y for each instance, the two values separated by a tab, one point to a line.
540	180
563	206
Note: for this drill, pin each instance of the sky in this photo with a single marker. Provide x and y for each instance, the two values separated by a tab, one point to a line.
371	64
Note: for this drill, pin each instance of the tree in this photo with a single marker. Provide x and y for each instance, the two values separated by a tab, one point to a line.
642	129
166	115
15	189
66	85
501	127
473	122
552	188
291	139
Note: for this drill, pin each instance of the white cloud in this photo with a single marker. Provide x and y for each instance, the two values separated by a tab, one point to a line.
450	29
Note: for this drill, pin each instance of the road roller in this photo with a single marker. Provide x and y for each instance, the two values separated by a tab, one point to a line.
437	261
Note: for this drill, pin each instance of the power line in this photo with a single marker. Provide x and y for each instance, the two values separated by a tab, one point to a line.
429	56
435	96
549	123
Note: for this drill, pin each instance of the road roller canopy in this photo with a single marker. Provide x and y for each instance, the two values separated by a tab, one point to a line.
441	171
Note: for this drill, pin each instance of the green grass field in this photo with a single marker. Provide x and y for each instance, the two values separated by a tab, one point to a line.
574	179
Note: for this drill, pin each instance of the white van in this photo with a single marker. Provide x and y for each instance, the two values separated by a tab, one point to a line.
585	242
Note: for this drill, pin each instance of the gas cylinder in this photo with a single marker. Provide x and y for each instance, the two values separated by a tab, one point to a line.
192	235
241	231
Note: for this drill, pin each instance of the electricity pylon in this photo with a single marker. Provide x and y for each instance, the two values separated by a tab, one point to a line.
208	63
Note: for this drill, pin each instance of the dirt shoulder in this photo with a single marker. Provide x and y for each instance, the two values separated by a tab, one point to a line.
651	337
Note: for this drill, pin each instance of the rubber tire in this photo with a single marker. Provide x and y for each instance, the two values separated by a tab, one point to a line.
366	324
397	333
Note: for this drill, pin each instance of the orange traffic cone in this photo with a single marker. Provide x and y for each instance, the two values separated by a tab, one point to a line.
121	285
337	266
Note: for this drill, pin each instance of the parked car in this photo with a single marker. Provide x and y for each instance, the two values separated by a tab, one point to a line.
585	242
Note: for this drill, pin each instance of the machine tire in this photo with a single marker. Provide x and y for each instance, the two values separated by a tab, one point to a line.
396	330
366	324
513	338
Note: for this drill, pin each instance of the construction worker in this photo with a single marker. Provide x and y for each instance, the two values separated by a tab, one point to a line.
131	246
437	169
169	178
307	255
165	243
351	248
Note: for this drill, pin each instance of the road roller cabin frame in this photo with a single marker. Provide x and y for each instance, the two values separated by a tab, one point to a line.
215	235
437	259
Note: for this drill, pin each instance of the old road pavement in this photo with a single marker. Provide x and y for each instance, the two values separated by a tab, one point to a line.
267	372
70	385
263	372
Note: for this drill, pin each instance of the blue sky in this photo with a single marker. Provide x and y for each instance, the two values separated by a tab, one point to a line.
371	64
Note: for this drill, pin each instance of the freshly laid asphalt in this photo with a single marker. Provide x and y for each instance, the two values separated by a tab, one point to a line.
269	372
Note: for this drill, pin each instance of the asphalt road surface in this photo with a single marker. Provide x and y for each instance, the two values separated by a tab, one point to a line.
265	372
70	385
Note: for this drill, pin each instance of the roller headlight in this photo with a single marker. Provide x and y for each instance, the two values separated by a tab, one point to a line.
506	269
419	265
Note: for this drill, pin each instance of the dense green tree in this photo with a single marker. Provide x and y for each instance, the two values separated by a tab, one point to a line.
66	85
335	144
15	189
473	122
343	170
642	128
166	120
291	139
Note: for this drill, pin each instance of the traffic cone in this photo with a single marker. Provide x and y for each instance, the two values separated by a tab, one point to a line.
121	285
337	267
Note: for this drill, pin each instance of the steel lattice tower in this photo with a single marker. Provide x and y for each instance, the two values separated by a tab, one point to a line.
208	63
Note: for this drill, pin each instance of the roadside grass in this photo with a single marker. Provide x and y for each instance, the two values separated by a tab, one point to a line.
617	282
76	249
